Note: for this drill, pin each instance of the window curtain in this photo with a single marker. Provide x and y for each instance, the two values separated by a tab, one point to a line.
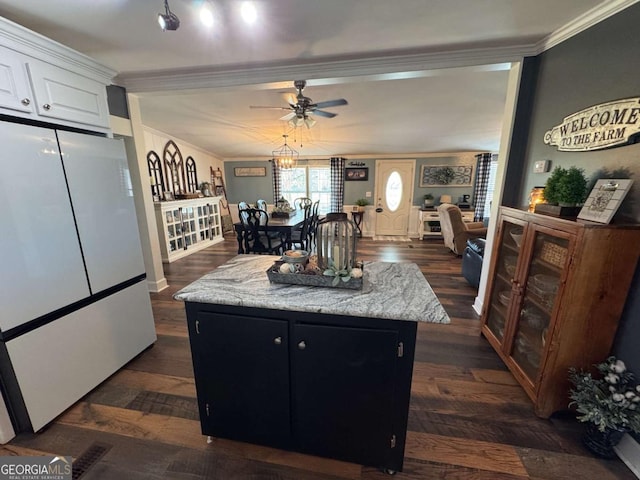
276	181
483	168
337	183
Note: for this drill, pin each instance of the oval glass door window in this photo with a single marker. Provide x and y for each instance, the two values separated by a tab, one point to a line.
393	191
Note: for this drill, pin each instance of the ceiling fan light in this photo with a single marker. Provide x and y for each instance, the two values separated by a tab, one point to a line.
309	122
168	20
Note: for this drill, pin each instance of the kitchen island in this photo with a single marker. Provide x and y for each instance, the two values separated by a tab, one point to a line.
317	370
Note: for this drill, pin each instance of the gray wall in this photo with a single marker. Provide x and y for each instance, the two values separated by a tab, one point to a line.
250	189
596	66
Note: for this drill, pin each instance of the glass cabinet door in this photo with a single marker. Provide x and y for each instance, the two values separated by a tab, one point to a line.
509	249
540	289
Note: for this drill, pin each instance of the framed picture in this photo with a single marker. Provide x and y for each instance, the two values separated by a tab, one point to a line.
250	171
356	174
446	176
604	200
168	196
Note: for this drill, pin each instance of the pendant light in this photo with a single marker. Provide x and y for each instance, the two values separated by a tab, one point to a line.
285	157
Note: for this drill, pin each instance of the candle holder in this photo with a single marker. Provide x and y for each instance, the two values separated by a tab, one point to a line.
336	242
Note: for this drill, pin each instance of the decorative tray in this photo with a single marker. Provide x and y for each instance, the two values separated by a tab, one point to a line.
313	278
283	214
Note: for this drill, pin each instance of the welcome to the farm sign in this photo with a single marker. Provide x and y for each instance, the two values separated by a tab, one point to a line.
594	128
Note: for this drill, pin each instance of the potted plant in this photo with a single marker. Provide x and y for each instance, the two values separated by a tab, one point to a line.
361	203
564	192
609	404
428	199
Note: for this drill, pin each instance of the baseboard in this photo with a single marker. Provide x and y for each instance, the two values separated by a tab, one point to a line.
477	305
156	287
629	452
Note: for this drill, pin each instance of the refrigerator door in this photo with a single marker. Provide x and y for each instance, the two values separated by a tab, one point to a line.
102	198
41	266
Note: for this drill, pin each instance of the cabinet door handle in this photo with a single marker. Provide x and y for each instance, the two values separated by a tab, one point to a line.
47	107
26	102
302	345
277	340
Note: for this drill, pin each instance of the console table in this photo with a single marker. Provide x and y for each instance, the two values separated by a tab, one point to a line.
429	221
357	219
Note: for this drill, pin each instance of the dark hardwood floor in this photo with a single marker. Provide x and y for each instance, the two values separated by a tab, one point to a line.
469	420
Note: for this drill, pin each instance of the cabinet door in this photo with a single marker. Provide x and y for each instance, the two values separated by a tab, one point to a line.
65	95
505	276
15	93
241	367
543	278
344	391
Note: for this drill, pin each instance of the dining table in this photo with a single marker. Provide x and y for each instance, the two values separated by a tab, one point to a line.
282	225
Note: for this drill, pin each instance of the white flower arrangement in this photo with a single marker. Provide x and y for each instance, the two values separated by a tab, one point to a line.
610	402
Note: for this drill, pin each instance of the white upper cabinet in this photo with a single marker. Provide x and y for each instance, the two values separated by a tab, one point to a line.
46	81
15	93
64	95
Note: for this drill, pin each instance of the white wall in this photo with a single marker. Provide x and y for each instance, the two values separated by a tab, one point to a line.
156	140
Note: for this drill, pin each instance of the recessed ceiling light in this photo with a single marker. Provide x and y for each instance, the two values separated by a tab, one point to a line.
206	16
248	12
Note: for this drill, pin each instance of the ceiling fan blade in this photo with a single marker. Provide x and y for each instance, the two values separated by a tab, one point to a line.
288	116
273	108
322	113
290	98
331	103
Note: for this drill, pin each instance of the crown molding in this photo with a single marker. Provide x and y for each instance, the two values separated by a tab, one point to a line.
410	63
583	22
25	41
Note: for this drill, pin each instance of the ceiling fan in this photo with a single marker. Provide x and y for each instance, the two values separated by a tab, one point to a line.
301	107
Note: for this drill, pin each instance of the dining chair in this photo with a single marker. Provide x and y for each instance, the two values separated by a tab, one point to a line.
257	239
261	204
301	202
242	206
300	237
313	226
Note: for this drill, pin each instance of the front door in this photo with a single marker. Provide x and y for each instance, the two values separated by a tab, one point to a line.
394	192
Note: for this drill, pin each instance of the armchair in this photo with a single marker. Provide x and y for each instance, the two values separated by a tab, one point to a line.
455	231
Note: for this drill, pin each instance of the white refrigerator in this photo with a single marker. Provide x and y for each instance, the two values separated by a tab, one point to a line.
74	302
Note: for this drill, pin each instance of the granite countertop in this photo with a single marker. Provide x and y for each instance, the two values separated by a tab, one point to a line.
396	291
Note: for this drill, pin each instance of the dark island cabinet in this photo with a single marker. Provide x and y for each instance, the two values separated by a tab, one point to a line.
332	386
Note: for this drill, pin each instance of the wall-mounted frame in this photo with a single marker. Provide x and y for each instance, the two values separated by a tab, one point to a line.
605	199
250	171
446	176
356	174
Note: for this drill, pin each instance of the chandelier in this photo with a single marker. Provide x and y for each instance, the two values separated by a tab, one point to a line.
285	157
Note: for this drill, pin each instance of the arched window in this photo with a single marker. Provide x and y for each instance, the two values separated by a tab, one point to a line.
154	164
192	176
174	168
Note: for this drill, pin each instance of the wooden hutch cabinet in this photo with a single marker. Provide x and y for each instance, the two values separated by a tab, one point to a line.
556	291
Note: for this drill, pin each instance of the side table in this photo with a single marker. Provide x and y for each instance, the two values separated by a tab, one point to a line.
357	219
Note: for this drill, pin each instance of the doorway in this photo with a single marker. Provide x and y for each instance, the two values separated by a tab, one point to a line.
394	194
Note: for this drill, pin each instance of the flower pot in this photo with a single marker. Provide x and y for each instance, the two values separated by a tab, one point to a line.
601	443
